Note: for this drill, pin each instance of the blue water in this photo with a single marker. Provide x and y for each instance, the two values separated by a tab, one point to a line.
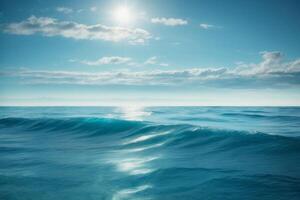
87	153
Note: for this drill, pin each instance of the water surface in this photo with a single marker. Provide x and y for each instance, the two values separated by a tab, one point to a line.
149	153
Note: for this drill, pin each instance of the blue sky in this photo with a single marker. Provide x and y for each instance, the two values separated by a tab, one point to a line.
154	52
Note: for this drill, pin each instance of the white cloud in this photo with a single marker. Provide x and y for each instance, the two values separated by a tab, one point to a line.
270	72
207	26
52	27
108	60
169	21
121	60
64	10
164	64
151	61
154	61
93	8
272	63
157	77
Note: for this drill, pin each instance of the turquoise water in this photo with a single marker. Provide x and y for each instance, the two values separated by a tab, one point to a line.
149	153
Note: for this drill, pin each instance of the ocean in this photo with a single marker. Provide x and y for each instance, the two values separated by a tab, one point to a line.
165	153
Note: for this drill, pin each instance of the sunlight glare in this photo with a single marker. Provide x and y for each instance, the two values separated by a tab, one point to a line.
136	113
123	15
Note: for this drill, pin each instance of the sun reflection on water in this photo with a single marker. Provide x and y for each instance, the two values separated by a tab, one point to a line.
133	158
146	137
136	113
135	165
127	193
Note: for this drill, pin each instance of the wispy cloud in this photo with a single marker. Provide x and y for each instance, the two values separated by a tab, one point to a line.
64	10
52	27
93	8
169	21
164	64
208	26
271	72
154	61
158	77
108	60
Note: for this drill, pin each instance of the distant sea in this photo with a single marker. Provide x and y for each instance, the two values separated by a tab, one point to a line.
165	153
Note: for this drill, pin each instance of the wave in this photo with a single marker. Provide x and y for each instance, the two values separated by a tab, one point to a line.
255	115
137	133
115	158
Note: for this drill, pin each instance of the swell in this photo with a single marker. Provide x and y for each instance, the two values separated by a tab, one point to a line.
262	116
83	125
180	161
139	134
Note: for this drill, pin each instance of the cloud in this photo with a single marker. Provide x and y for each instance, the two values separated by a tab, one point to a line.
93	8
207	26
108	60
169	21
121	60
151	61
158	77
64	10
154	61
271	72
164	64
52	27
272	63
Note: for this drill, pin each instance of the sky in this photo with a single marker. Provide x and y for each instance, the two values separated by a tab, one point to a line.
150	52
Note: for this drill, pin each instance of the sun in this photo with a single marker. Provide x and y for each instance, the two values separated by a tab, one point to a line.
123	15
